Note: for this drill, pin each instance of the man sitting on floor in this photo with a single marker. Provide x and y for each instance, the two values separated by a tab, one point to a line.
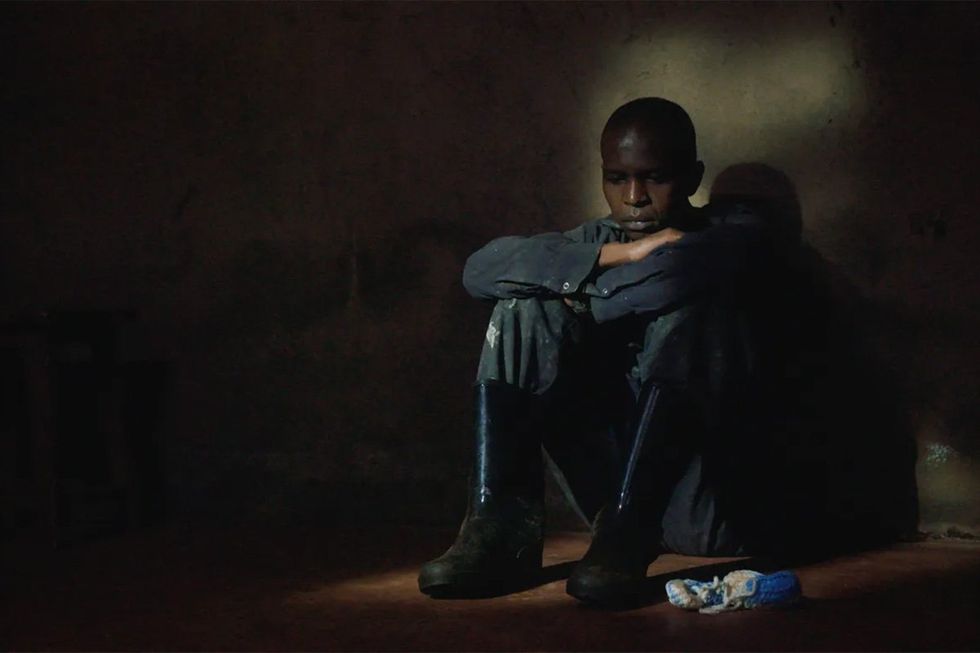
626	349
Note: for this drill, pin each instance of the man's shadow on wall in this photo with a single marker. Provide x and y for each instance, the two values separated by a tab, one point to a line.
833	468
829	468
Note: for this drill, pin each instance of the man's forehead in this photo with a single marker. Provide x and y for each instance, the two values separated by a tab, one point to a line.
640	136
636	146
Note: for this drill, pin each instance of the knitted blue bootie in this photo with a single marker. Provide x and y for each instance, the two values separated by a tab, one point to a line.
739	589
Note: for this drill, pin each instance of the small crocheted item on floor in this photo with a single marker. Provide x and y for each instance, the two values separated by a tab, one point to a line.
738	590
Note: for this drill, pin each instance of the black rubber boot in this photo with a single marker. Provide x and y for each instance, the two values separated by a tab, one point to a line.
498	548
626	534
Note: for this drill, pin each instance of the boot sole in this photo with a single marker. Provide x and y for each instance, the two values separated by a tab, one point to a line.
461	583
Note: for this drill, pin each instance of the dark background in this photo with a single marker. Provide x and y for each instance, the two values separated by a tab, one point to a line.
283	196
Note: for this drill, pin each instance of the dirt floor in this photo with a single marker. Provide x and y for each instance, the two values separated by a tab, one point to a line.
289	589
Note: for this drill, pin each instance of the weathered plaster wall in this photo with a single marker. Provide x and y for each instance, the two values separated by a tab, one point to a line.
287	192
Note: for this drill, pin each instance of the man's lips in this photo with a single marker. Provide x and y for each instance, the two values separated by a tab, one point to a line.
638	216
639	222
638	225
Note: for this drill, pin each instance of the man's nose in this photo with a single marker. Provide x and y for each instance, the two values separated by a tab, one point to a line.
636	193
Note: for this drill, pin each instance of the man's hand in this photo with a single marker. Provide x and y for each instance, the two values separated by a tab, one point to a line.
613	254
577	305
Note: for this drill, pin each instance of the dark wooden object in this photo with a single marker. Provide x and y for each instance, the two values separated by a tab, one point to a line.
84	414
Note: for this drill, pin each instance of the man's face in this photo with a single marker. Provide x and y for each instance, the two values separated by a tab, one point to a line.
642	184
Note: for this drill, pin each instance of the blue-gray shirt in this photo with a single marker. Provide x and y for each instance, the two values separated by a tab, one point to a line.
709	259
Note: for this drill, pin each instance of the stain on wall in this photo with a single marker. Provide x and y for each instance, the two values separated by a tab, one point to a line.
287	192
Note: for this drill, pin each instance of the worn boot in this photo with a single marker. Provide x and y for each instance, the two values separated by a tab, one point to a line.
626	534
499	544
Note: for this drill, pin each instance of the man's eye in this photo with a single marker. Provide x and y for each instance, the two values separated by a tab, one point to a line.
657	179
615	179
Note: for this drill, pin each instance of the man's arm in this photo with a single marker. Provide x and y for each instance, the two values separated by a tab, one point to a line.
550	264
674	272
616	254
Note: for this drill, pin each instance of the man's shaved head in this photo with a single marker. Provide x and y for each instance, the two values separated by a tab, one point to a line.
661	121
650	165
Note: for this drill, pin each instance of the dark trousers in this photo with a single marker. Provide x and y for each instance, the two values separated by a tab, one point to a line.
589	376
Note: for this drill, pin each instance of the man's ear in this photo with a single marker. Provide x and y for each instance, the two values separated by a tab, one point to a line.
693	179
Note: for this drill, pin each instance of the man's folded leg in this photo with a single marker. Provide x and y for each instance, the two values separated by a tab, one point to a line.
626	534
522	402
690	376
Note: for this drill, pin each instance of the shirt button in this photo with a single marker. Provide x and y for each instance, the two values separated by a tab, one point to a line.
605	291
566	286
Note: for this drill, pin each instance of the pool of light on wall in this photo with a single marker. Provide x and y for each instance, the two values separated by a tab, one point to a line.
786	99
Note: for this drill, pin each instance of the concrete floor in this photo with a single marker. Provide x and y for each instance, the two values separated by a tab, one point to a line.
194	589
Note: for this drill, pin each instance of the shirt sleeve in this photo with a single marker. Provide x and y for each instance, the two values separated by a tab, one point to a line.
546	264
705	261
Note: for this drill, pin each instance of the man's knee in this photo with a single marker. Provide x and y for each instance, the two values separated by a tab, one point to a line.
531	309
525	340
530	317
692	345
